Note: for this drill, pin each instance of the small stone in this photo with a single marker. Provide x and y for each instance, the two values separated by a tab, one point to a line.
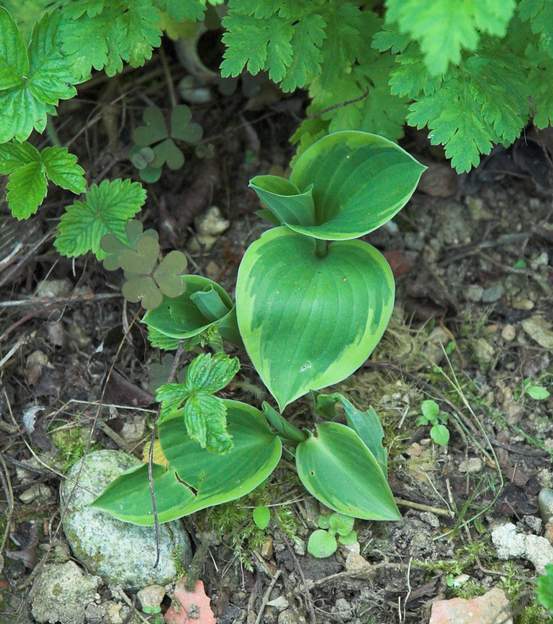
522	303
474	293
95	614
123	554
533	523
115	612
133	428
483	351
545	503
34	366
439	180
491	608
356	563
513	545
459	580
56	334
209	226
493	294
62	593
430	519
38	492
477	209
151	598
548	532
267	548
471	465
509	333
279	603
299	546
437	339
539	330
53	288
290	617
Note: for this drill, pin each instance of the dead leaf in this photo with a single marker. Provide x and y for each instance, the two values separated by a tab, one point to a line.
190	607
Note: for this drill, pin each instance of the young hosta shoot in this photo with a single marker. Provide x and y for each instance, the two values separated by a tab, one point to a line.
204	305
155	142
193	400
311	303
146	278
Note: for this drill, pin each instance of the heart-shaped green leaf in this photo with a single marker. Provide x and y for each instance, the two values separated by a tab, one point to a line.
150	174
217	478
181	318
168	153
128	498
339	470
182	126
153	130
168	274
360	181
307	321
142	288
141	157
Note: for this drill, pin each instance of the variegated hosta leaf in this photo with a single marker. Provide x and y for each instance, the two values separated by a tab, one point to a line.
195	478
343	186
204	304
309	321
338	469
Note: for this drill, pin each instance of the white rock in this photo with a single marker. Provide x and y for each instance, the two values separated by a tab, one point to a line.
513	545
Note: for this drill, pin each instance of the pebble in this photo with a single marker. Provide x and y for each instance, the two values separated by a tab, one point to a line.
491	608
62	593
290	617
471	465
493	294
539	330
53	288
545	503
37	492
509	333
513	545
123	554
483	351
151	598
521	303
279	603
474	293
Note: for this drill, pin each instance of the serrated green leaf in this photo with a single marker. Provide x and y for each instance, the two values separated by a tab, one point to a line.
211	373
32	81
14	155
106	209
62	169
206	422
27	188
181	10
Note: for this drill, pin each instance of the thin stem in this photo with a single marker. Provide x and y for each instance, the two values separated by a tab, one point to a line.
52	132
168	77
321	248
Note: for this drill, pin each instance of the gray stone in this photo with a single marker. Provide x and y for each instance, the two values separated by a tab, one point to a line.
545	502
123	554
62	594
474	293
513	545
493	293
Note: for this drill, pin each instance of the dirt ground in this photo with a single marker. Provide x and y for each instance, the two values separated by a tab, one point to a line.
473	261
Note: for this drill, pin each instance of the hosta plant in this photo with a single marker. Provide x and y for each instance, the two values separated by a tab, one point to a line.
312	302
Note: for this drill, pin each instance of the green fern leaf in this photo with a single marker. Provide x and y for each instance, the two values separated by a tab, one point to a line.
444	28
106	209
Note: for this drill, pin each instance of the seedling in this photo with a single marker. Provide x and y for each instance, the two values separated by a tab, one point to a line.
262	517
433	416
334	528
155	141
545	588
534	390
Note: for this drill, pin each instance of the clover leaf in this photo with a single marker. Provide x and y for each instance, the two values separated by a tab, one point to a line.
146	278
154	142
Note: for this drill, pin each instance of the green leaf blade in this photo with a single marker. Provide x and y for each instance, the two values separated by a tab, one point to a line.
313	327
337	469
27	188
62	169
